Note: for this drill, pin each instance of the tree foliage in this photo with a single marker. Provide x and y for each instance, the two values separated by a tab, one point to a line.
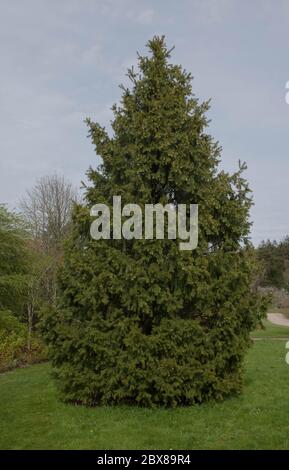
139	321
13	261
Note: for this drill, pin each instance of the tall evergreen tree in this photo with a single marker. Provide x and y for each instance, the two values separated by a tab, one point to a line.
140	321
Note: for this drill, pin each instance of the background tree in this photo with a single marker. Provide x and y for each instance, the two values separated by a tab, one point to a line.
139	321
13	262
36	289
47	209
274	258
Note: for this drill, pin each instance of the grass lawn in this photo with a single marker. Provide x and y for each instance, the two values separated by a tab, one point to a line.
31	417
271	331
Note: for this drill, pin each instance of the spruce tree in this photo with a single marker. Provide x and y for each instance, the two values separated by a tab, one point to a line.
139	321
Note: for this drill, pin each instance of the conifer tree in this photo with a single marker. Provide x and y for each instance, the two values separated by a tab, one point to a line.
140	321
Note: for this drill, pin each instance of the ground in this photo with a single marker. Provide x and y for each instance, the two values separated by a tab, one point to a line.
32	417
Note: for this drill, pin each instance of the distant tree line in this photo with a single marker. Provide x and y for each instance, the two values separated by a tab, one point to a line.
274	261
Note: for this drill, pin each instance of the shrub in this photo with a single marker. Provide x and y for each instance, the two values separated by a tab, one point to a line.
14	351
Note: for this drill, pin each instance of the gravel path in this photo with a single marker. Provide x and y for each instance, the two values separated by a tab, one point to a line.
278	319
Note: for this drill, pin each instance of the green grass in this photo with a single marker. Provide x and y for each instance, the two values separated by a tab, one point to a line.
32	417
271	331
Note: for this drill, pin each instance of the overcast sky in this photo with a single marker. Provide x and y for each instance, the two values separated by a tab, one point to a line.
62	60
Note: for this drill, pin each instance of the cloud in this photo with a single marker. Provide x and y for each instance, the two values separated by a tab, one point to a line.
92	54
145	17
210	12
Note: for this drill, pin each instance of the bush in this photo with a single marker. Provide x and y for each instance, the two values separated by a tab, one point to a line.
14	351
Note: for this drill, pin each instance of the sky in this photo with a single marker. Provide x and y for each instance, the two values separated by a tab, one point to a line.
63	60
